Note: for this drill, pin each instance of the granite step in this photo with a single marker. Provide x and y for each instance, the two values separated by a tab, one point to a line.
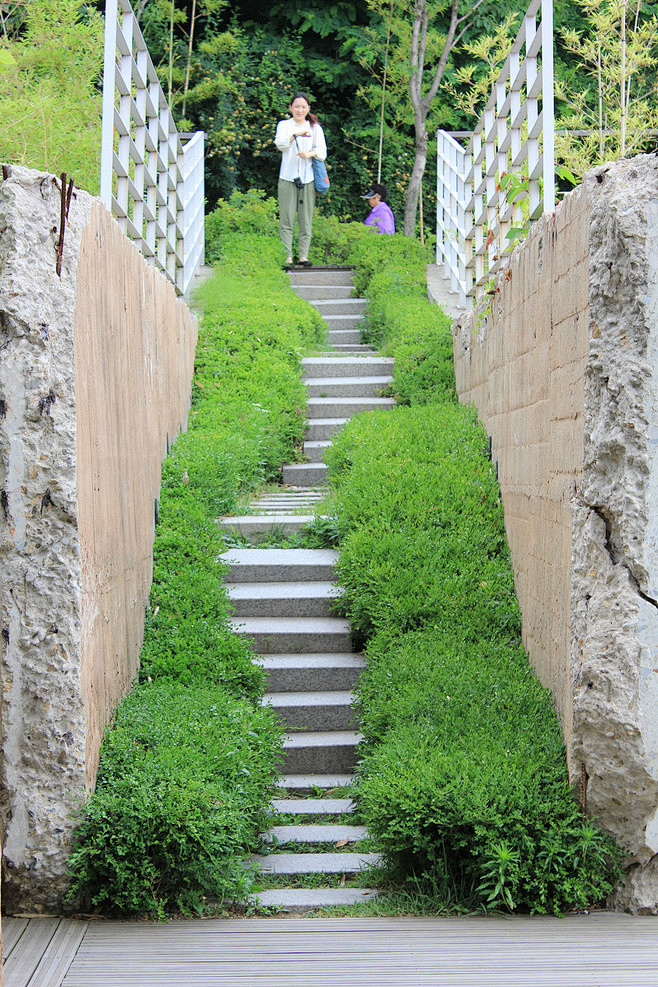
316	833
322	429
250	565
320	752
346	387
296	635
301	473
278	599
332	407
307	783
313	710
345	366
311	899
258	528
314	291
329	672
309	807
314	863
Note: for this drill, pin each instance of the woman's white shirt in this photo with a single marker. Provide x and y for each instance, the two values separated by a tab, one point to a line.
292	166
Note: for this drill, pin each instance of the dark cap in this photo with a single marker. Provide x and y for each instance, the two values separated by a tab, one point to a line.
375	189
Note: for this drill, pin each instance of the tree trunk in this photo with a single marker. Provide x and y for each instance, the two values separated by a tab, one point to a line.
413	191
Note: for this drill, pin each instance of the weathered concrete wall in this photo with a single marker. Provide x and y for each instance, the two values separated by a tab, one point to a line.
564	373
95	373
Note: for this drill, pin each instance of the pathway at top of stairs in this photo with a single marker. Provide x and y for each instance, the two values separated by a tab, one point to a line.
283	600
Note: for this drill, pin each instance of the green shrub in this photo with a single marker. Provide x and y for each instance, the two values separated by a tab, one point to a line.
423	525
184	776
251	213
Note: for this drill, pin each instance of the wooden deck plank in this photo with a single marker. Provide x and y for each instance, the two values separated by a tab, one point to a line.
26	956
12	930
602	950
59	954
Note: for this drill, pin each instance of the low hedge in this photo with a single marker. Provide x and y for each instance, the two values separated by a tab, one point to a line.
188	768
464	784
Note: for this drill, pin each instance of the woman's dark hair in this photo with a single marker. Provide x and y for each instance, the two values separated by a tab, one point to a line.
311	116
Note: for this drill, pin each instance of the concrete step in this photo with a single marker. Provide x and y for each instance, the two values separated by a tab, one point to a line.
258	528
273	565
310	899
314	807
329	671
354	348
303	783
315	833
315	863
321	752
344	387
335	408
345	366
313	710
322	275
295	635
314	451
278	599
313	292
302	473
341	306
343	323
321	429
344	335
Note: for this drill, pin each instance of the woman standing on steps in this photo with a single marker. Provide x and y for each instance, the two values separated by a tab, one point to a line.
299	138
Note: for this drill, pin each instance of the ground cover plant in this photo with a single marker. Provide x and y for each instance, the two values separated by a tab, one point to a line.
463	779
187	771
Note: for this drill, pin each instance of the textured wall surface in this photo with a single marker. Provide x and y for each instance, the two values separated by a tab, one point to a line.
564	373
95	371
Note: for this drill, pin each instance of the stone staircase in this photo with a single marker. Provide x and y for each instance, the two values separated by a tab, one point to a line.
283	599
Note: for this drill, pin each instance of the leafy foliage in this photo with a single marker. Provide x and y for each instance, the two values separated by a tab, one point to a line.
50	103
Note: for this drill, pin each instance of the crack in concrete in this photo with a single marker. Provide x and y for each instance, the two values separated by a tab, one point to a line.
615	557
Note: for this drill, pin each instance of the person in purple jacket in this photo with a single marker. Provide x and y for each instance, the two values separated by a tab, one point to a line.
380	215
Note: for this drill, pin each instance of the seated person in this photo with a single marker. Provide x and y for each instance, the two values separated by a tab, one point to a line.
380	215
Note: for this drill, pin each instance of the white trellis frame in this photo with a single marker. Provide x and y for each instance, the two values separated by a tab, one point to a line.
515	134
151	176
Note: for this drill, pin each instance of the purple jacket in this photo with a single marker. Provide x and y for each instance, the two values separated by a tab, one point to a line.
381	218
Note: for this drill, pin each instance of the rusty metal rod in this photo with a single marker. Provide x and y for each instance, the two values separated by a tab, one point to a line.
62	225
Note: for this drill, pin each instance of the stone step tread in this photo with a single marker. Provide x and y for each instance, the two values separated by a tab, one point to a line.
273	519
326	421
285	591
313	660
315	863
307	782
340	361
322	738
315	833
315	698
308	899
317	404
312	807
248	565
348	381
294	625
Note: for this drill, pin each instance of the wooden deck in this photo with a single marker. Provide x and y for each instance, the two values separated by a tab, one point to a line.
598	950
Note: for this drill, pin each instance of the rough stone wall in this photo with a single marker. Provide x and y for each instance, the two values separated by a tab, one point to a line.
95	369
564	374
